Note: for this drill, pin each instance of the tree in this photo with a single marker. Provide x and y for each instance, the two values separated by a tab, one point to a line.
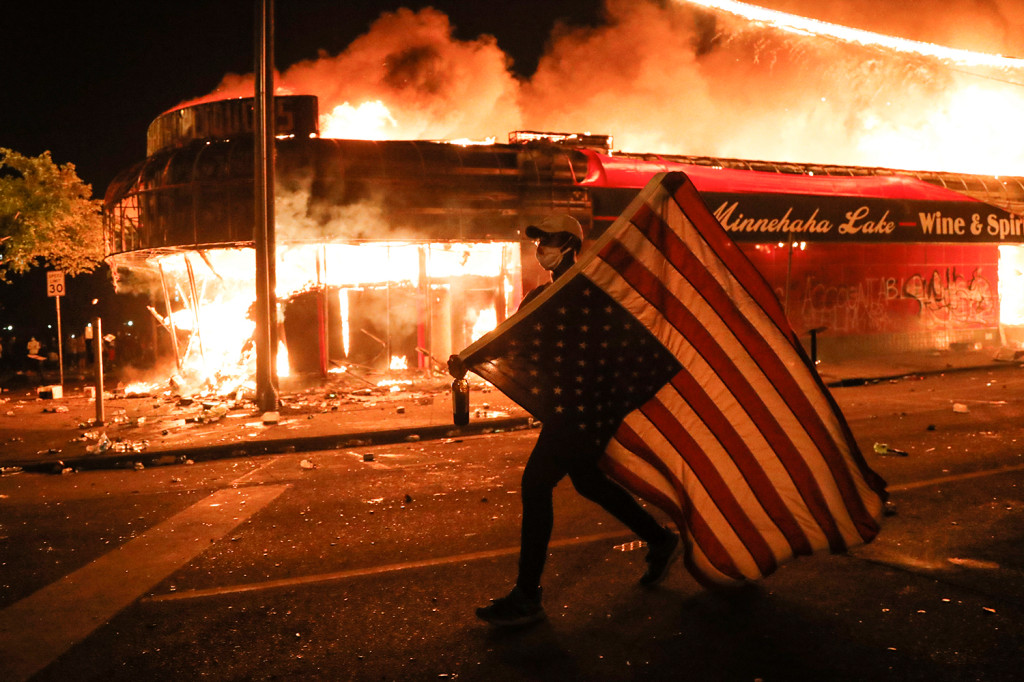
47	216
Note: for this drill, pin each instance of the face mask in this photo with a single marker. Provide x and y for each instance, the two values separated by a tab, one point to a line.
550	256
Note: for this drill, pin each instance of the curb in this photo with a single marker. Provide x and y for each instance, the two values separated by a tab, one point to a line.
861	381
276	446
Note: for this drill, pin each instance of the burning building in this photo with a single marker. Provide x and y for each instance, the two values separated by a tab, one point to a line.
391	254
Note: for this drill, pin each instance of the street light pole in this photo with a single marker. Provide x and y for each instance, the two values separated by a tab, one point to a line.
263	230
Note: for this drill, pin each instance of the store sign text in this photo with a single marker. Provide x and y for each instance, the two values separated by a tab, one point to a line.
815	218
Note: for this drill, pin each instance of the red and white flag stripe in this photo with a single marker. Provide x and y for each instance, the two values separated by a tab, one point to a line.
745	448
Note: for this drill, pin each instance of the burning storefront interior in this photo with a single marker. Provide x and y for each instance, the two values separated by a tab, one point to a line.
387	310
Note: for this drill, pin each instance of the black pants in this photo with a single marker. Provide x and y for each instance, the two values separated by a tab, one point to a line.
555	455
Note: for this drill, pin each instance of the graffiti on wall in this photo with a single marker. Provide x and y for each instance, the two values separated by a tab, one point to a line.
952	298
877	304
848	308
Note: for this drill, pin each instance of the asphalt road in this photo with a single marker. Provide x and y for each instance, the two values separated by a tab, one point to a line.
367	564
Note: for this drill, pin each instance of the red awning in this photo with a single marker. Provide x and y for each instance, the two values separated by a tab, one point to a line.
604	170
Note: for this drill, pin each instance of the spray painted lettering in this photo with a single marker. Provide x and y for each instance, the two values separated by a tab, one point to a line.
848	309
953	298
869	306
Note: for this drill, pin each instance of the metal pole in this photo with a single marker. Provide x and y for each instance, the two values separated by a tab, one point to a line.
326	302
322	311
263	232
789	271
198	333
97	344
387	327
60	345
425	322
170	318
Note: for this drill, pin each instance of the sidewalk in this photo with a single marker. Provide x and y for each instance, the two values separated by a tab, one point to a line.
141	430
854	371
53	435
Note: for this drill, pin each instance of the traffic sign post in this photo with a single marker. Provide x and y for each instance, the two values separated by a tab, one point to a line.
55	283
55	288
98	364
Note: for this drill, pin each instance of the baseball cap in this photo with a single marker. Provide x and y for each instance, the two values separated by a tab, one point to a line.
557	222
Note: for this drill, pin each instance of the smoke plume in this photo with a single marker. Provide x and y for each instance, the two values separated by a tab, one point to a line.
668	77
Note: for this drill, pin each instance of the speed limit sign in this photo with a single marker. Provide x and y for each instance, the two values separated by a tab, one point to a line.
55	283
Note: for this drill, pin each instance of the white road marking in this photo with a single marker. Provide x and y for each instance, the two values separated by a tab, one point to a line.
45	624
373	570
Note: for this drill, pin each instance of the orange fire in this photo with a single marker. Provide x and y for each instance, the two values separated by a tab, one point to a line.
967	128
486	320
211	296
370	120
814	27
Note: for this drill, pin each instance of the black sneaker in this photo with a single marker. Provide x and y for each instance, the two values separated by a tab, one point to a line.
515	609
659	557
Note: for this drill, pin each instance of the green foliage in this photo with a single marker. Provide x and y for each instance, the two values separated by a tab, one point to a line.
47	217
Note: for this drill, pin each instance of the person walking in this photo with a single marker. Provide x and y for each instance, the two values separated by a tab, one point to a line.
559	452
34	347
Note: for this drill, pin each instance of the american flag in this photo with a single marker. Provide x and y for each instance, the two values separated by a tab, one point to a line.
666	349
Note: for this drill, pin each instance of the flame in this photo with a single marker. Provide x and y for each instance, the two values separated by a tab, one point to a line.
1011	285
466	142
960	125
486	320
138	388
394	385
346	328
813	27
212	294
966	145
369	120
283	368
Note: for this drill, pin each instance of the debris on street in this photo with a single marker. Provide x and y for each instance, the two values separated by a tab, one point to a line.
170	415
885	449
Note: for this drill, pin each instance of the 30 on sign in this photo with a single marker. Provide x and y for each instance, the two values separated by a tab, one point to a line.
55	283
